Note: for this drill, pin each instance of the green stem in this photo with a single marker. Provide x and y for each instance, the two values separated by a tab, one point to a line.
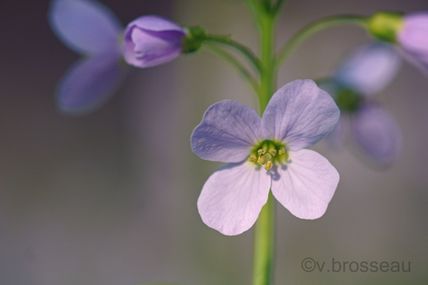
254	7
236	64
264	241
244	50
264	244
268	76
315	27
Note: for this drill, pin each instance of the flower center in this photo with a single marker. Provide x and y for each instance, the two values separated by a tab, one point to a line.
268	153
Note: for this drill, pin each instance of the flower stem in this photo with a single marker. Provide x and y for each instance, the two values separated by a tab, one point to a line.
267	57
315	27
236	64
244	50
264	240
264	244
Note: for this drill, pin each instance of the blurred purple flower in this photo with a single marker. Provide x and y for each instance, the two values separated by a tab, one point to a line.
369	70
266	153
376	131
413	37
91	29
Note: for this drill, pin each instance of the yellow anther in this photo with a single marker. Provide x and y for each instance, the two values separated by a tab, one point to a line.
261	160
253	158
273	151
268	153
268	165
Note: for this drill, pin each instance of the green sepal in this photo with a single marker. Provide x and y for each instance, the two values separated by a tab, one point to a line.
348	100
385	26
195	36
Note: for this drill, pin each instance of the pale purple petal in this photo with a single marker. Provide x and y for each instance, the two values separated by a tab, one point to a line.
413	39
85	26
335	138
413	36
156	24
233	197
300	114
370	69
377	133
151	41
306	185
227	132
89	84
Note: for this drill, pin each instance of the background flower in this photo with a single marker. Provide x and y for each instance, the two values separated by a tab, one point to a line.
408	32
364	74
413	38
91	29
151	40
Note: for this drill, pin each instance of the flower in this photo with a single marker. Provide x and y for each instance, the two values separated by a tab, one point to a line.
413	38
365	73
409	32
92	30
151	41
266	153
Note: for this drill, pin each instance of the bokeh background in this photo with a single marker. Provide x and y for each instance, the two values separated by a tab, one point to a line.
110	198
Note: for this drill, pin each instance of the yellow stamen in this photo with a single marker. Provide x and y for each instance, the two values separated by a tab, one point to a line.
268	153
268	165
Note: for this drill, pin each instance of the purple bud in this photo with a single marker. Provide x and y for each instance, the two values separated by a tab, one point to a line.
151	41
413	37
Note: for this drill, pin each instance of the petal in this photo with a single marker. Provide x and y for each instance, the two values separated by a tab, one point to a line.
232	198
306	185
89	84
370	69
336	138
413	36
227	132
413	39
144	49
156	24
300	114
85	25
377	134
151	41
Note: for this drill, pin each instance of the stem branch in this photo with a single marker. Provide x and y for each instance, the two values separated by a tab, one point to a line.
244	50
236	64
315	27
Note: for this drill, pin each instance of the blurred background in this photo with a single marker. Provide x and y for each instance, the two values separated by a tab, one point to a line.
110	198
